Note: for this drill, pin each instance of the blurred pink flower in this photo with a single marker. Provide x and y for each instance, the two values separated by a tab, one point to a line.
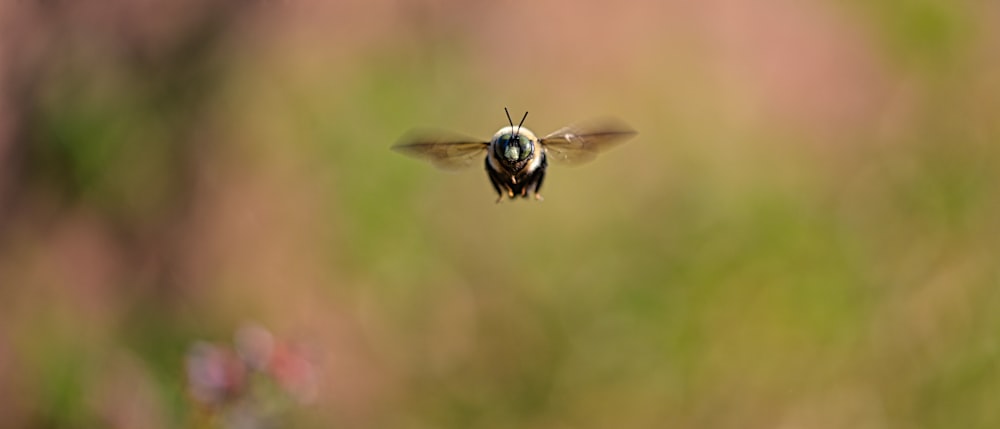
215	375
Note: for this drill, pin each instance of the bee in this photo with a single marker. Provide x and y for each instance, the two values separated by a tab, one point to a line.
516	160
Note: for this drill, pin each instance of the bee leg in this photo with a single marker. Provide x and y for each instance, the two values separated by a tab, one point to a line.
537	178
494	181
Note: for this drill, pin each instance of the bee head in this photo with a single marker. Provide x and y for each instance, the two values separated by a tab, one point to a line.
514	146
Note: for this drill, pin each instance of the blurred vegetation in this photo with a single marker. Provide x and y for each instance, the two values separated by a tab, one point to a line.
802	235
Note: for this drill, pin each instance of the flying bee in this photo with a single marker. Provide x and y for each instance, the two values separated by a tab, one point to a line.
516	159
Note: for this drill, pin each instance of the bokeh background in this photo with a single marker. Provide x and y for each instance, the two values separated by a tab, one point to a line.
803	235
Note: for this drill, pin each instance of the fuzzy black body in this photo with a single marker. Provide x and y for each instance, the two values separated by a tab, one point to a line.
517	180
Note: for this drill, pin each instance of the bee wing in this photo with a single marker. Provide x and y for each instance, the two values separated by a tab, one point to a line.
445	150
581	143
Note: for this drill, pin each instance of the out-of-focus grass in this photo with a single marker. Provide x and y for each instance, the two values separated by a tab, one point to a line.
767	252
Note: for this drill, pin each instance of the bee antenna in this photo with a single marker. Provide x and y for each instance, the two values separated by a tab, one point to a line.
520	123
508	117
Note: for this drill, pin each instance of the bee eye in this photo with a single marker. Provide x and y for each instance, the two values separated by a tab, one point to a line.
526	146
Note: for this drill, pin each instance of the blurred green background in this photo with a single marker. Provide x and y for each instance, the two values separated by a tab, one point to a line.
803	235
